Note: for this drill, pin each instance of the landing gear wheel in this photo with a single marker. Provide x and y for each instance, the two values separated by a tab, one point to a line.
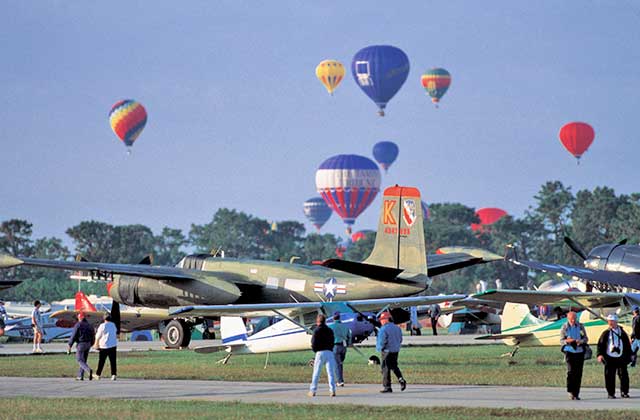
177	334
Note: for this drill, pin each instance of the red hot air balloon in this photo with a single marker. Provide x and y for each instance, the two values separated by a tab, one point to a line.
487	216
576	137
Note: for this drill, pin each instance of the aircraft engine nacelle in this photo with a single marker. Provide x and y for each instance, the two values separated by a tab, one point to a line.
142	291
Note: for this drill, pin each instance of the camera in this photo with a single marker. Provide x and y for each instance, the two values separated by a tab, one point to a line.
615	350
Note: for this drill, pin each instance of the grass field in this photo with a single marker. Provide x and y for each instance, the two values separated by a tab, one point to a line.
464	365
32	408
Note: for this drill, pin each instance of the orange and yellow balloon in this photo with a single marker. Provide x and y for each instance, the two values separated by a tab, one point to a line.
330	73
127	118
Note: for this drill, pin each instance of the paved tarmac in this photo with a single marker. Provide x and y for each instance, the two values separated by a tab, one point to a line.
16	349
295	393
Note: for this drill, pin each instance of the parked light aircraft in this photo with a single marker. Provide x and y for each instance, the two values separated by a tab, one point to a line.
396	267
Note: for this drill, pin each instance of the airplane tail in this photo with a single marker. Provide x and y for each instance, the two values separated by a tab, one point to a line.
83	304
232	330
517	315
400	238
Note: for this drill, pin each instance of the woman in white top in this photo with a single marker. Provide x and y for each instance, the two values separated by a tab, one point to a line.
106	343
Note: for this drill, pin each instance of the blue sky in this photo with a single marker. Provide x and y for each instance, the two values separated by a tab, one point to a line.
238	119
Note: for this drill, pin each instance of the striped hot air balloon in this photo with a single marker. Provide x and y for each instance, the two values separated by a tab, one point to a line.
348	184
436	82
127	118
317	211
330	73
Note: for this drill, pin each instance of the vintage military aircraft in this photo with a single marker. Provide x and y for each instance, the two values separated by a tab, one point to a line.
396	267
612	264
521	329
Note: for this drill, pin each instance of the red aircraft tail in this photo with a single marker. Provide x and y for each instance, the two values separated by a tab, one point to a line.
83	304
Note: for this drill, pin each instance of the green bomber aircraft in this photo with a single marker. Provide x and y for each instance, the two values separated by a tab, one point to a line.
398	266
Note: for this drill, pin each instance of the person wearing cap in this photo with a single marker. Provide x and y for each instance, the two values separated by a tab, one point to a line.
573	338
107	344
635	335
84	336
341	340
388	344
322	344
614	351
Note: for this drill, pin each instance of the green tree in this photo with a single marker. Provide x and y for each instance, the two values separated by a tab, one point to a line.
318	247
360	250
169	246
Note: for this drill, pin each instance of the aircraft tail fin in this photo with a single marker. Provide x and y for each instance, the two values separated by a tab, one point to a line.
400	238
517	315
232	330
83	304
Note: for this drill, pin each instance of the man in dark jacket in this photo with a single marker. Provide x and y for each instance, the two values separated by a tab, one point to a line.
614	351
84	335
322	344
635	336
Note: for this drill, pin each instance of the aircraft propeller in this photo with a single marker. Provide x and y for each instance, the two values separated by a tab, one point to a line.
115	315
575	247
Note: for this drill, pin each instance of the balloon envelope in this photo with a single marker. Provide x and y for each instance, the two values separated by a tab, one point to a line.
127	119
487	216
576	137
380	71
385	153
425	210
348	184
361	234
436	82
330	73
317	211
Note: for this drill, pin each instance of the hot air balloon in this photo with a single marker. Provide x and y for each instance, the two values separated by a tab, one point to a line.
330	73
385	153
380	71
425	210
487	216
127	118
348	184
361	234
317	211
576	137
436	81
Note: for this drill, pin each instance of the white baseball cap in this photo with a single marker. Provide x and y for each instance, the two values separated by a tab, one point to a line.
612	317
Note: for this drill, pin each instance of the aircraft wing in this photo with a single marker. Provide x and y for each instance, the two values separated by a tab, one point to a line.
301	308
453	258
616	278
503	336
129	320
156	272
544	297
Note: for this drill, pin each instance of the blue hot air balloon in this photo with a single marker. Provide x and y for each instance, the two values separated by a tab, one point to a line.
348	184
380	71
425	210
385	153
317	211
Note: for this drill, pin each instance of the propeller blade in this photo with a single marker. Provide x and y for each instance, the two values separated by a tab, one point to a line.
575	247
115	315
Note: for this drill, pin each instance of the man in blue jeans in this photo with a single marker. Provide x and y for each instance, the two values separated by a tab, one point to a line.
341	340
388	344
84	335
322	344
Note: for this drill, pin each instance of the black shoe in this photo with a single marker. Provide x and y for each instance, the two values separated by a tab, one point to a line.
403	384
384	391
576	398
612	397
625	396
90	375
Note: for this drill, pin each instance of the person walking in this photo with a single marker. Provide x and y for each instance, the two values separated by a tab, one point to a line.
388	344
614	351
341	340
635	335
434	315
573	338
38	327
322	344
3	318
84	336
107	343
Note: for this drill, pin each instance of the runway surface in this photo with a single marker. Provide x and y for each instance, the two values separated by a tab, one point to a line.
15	349
295	393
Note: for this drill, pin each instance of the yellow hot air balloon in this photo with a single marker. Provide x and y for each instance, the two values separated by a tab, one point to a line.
330	73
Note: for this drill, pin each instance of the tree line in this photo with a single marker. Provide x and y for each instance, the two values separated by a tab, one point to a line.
590	217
